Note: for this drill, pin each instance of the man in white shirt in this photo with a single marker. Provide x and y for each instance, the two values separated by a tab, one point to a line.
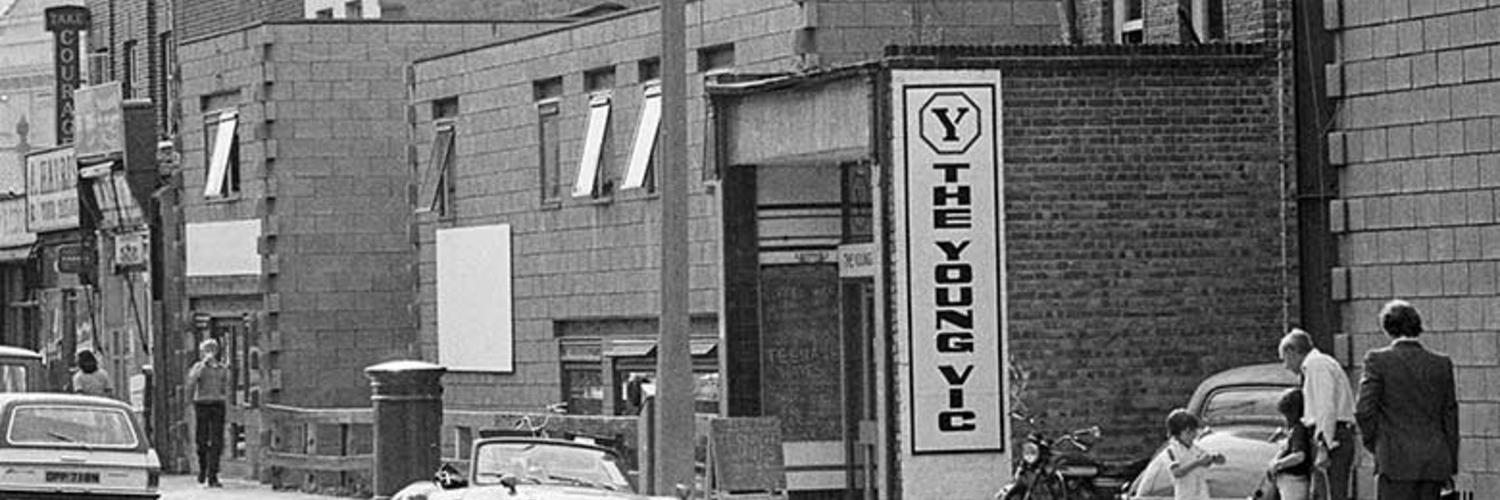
1328	409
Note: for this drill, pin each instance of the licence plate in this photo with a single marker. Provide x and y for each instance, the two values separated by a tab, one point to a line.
73	477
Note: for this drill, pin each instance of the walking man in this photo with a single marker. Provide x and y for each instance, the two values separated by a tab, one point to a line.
1408	411
208	382
1328	410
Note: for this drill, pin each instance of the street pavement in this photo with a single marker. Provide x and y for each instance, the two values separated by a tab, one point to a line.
186	487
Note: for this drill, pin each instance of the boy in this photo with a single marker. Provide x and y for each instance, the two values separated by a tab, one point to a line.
1189	462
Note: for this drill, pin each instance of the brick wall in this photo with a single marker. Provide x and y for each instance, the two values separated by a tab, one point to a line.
136	27
1145	211
1418	137
323	145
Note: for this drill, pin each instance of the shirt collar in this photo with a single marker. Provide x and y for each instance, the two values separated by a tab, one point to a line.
1407	340
1310	355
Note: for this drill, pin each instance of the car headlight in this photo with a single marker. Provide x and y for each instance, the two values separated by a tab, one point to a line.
1030	453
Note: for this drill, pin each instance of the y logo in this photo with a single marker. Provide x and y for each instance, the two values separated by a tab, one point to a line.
950	125
950	122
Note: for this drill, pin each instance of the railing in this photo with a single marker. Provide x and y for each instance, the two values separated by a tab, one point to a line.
325	450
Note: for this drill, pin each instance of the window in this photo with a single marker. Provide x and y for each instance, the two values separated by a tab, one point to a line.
600	79
595	148
354	9
649	69
1130	26
718	58
71	426
550	147
127	69
549	141
1206	18
437	186
221	145
640	171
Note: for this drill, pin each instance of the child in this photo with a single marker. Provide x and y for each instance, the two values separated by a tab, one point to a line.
1189	463
1291	468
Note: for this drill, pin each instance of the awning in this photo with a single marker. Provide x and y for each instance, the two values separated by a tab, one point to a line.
16	254
630	348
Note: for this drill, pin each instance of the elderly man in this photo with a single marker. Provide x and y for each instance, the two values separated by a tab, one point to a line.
1328	409
1408	410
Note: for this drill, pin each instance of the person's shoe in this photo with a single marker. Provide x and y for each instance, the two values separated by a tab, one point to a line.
214	483
201	478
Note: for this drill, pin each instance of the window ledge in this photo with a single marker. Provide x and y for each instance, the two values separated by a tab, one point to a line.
231	198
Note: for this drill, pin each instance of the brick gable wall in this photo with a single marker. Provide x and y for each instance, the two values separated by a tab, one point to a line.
1147	218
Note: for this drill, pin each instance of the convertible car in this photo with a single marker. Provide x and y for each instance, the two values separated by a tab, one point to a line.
530	468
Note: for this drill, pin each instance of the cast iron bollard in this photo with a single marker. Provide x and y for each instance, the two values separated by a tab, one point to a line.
408	401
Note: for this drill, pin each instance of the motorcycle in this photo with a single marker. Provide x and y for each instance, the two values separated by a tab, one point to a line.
1056	468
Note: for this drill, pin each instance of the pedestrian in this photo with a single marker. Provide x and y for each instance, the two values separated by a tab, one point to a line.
208	382
89	379
1327	411
1190	462
1292	467
1408	411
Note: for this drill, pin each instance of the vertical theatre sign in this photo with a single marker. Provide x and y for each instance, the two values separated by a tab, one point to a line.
65	22
950	257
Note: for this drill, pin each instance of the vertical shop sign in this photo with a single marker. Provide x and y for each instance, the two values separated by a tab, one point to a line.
951	259
65	22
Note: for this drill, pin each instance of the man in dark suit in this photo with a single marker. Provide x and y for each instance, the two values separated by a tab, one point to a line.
1408	411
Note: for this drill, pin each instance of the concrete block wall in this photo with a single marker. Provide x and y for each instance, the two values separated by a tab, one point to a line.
857	30
489	9
323	156
582	259
1146	220
1417	145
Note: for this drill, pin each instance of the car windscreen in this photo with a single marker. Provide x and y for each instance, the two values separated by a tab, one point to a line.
62	425
543	463
1238	477
1239	404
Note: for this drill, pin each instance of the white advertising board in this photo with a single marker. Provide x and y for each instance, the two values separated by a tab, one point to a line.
950	258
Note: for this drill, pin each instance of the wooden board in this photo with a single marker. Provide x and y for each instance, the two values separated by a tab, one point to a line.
746	454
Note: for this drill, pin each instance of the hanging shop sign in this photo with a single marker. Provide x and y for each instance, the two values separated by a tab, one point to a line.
100	120
51	190
132	250
74	259
950	257
13	226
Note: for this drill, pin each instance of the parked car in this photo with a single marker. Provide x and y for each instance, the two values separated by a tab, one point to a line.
74	446
533	468
1238	409
20	370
